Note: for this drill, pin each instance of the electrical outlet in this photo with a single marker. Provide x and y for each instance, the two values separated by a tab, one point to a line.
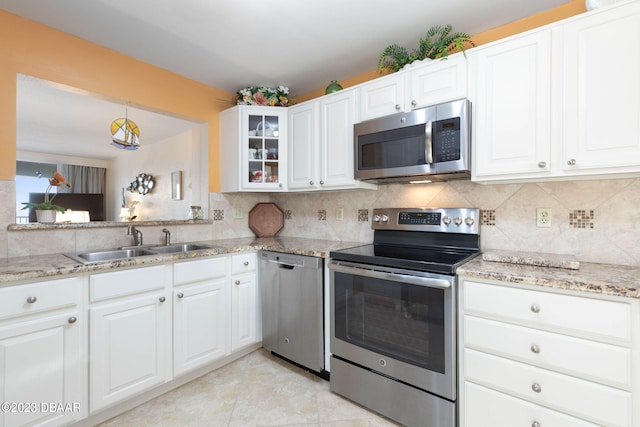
237	213
543	217
339	214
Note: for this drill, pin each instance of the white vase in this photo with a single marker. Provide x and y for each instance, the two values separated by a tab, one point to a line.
46	216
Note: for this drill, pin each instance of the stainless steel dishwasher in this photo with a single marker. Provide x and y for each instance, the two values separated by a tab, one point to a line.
292	308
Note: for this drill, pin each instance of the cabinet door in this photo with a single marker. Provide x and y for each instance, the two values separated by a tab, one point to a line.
200	324
601	91
129	348
337	114
263	147
438	81
41	365
512	108
244	311
303	146
381	97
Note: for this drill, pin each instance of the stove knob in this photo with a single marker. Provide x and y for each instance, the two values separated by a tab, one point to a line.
446	220
457	220
385	218
376	218
469	221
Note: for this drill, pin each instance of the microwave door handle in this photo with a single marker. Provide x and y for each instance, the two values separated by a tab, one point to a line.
428	143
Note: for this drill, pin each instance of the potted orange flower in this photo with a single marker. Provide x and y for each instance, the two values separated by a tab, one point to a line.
46	211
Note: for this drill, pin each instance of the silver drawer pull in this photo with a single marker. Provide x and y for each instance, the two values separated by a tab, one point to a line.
535	348
535	308
246	263
72	320
571	162
31	300
542	165
162	299
536	387
535	424
180	295
237	282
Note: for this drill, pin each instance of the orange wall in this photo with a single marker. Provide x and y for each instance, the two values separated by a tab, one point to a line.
36	50
571	8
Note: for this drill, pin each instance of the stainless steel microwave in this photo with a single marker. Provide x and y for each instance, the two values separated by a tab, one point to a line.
428	144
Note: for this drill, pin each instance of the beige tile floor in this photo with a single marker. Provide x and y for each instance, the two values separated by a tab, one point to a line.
256	390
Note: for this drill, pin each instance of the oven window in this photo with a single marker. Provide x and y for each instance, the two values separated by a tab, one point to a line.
402	321
392	149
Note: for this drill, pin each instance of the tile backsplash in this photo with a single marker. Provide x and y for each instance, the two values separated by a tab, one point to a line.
596	221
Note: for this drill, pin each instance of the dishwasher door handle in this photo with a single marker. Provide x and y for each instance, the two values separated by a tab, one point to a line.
283	264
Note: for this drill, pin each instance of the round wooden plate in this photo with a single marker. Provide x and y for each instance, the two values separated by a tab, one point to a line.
266	219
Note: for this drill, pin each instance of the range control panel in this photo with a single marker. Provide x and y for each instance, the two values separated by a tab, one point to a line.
446	220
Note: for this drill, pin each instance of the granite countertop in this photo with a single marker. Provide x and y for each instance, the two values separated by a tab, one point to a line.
555	271
52	265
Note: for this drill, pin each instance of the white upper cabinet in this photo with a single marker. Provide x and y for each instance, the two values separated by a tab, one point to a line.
303	145
561	102
437	81
420	85
321	144
382	97
512	107
253	149
601	85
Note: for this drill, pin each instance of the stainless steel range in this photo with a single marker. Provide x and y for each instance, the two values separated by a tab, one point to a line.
393	314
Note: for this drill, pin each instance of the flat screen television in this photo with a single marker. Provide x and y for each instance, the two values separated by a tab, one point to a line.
94	203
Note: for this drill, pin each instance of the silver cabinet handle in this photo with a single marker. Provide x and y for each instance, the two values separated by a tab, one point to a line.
535	424
397	107
31	300
180	295
237	282
535	348
246	263
287	341
321	182
571	162
72	320
311	183
536	387
162	299
535	308
542	165
414	103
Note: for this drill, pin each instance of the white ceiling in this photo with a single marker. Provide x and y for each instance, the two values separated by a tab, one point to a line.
231	44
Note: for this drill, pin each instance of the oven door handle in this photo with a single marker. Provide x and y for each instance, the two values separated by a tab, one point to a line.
428	282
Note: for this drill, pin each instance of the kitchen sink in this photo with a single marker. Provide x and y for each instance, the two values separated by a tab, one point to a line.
87	257
181	247
109	255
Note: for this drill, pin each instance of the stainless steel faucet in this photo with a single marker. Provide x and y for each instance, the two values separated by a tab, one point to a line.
137	235
167	236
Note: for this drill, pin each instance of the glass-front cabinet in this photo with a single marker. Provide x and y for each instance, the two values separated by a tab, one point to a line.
252	148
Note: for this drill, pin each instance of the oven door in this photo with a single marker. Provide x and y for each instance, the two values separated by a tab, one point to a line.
398	323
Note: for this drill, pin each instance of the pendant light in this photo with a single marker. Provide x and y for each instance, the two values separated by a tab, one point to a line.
125	133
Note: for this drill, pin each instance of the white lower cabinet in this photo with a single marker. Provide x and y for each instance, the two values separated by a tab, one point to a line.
244	301
540	357
200	313
129	333
42	379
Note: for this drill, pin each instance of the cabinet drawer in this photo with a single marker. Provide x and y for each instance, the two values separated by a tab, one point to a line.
198	270
604	363
485	407
591	401
589	317
128	282
243	262
38	297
